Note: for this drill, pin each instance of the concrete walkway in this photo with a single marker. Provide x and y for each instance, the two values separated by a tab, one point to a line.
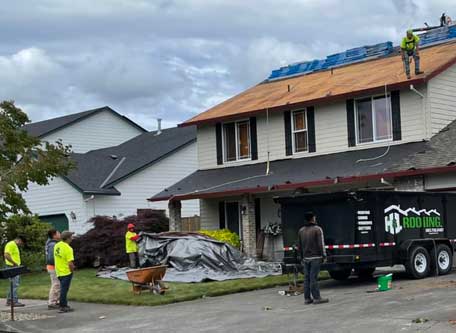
352	308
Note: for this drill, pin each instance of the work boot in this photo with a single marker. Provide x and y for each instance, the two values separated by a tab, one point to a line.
321	301
65	309
18	305
53	307
419	72
308	301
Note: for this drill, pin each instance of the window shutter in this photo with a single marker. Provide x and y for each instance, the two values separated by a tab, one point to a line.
218	139
253	138
257	216
396	115
351	123
311	128
288	142
222	214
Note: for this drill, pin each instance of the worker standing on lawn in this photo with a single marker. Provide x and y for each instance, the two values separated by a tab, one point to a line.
64	267
13	259
410	48
313	253
131	245
54	292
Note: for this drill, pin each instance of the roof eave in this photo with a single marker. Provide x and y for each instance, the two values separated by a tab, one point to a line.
292	186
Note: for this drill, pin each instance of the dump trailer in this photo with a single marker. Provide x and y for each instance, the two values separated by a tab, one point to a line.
368	229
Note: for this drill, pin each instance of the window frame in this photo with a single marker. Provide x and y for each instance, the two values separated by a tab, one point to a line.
374	125
293	131
236	134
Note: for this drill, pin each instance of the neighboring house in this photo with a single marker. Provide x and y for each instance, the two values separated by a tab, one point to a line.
117	181
88	130
359	125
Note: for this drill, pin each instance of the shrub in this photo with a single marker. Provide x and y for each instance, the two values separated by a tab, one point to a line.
223	235
34	231
104	244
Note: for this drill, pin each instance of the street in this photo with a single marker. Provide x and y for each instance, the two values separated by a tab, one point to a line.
353	307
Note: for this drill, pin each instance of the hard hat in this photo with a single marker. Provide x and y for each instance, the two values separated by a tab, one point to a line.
130	226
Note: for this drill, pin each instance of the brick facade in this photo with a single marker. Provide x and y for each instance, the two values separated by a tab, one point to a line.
248	225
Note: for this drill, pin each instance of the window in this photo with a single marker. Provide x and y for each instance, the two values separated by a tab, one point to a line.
299	131
236	137
373	119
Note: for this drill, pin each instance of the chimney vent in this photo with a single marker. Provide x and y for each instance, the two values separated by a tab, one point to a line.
159	126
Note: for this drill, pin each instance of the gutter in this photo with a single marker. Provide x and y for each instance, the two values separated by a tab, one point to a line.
283	187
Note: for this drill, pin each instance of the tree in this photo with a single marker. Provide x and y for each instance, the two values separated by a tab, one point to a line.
24	159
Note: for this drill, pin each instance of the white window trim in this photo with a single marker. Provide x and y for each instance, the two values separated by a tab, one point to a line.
293	131
373	121
236	133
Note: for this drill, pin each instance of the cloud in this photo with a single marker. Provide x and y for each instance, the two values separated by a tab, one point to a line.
173	59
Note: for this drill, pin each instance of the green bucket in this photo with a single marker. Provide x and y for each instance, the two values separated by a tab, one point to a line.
385	282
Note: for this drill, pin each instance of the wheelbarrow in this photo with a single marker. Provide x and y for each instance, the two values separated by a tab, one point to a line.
148	278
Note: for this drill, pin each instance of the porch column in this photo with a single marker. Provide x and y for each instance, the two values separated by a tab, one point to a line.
248	225
175	215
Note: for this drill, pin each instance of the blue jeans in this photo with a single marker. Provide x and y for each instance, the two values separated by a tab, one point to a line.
65	282
416	59
311	271
15	280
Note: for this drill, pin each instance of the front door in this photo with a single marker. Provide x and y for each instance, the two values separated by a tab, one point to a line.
232	216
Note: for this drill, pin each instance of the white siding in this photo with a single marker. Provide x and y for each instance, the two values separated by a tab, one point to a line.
440	181
209	214
330	132
442	99
98	131
137	188
58	197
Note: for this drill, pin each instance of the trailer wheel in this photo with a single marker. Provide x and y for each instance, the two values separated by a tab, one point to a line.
444	259
340	275
418	263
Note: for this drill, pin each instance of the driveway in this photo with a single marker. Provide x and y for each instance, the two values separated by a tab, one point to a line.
353	307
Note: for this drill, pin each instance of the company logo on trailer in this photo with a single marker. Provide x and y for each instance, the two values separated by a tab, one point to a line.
397	219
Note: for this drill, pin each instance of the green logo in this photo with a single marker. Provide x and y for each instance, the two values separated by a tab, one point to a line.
397	219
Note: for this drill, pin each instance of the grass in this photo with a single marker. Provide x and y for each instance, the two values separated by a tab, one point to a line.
86	287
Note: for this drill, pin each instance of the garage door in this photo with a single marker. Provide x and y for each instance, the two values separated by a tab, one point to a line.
58	222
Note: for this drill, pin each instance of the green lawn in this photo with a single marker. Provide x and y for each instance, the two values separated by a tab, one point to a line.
86	287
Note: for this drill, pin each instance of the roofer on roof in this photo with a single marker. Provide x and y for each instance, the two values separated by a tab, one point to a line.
131	246
410	48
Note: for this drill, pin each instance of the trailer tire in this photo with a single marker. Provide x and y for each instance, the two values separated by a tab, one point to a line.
419	263
340	274
444	259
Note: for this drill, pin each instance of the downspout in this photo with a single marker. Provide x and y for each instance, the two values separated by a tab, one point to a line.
423	110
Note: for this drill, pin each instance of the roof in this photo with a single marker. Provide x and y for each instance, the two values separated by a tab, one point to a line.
436	155
98	171
336	84
45	127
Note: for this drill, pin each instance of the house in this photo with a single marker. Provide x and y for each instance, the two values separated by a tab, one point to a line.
351	121
93	129
117	180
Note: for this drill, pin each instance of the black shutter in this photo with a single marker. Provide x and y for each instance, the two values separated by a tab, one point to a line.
253	138
311	128
351	123
288	142
396	115
222	214
218	139
257	216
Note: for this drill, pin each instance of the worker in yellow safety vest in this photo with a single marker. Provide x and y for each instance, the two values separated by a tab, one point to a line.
410	48
131	246
12	257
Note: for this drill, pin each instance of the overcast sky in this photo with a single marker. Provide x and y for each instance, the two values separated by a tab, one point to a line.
175	58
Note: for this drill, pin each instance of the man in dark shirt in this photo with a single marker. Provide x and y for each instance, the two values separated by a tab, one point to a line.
313	252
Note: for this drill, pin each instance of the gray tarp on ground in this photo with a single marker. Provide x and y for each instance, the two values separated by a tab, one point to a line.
193	257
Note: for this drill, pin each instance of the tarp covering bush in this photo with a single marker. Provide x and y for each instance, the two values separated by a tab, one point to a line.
193	257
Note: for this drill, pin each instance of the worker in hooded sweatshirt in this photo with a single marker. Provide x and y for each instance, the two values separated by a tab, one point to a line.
410	48
131	246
